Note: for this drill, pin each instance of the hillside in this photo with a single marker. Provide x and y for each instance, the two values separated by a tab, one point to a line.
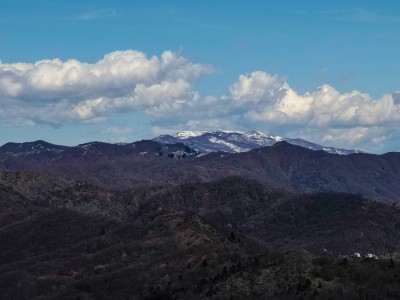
227	239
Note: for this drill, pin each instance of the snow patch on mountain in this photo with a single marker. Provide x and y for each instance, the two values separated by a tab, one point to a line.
188	134
230	145
238	141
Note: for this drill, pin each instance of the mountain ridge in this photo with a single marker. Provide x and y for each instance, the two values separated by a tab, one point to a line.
240	141
283	165
203	141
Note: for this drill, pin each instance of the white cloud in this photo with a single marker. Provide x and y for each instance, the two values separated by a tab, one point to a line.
121	81
258	87
267	99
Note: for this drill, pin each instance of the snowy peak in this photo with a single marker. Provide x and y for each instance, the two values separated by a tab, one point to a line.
238	141
188	134
213	141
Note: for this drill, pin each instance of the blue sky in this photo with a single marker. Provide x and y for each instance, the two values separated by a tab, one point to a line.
314	69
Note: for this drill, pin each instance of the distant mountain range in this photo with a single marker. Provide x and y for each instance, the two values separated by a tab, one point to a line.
183	144
41	149
239	141
283	165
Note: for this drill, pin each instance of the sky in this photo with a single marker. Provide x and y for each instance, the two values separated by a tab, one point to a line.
120	71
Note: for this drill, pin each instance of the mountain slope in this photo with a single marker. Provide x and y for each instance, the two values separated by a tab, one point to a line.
323	222
340	223
64	254
299	169
170	252
239	141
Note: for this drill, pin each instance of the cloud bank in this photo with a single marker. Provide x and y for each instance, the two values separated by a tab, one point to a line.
56	92
267	99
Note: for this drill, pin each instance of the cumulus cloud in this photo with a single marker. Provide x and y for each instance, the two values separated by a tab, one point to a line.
258	87
268	99
55	91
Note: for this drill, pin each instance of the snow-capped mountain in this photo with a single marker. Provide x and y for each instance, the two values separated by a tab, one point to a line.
238	141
